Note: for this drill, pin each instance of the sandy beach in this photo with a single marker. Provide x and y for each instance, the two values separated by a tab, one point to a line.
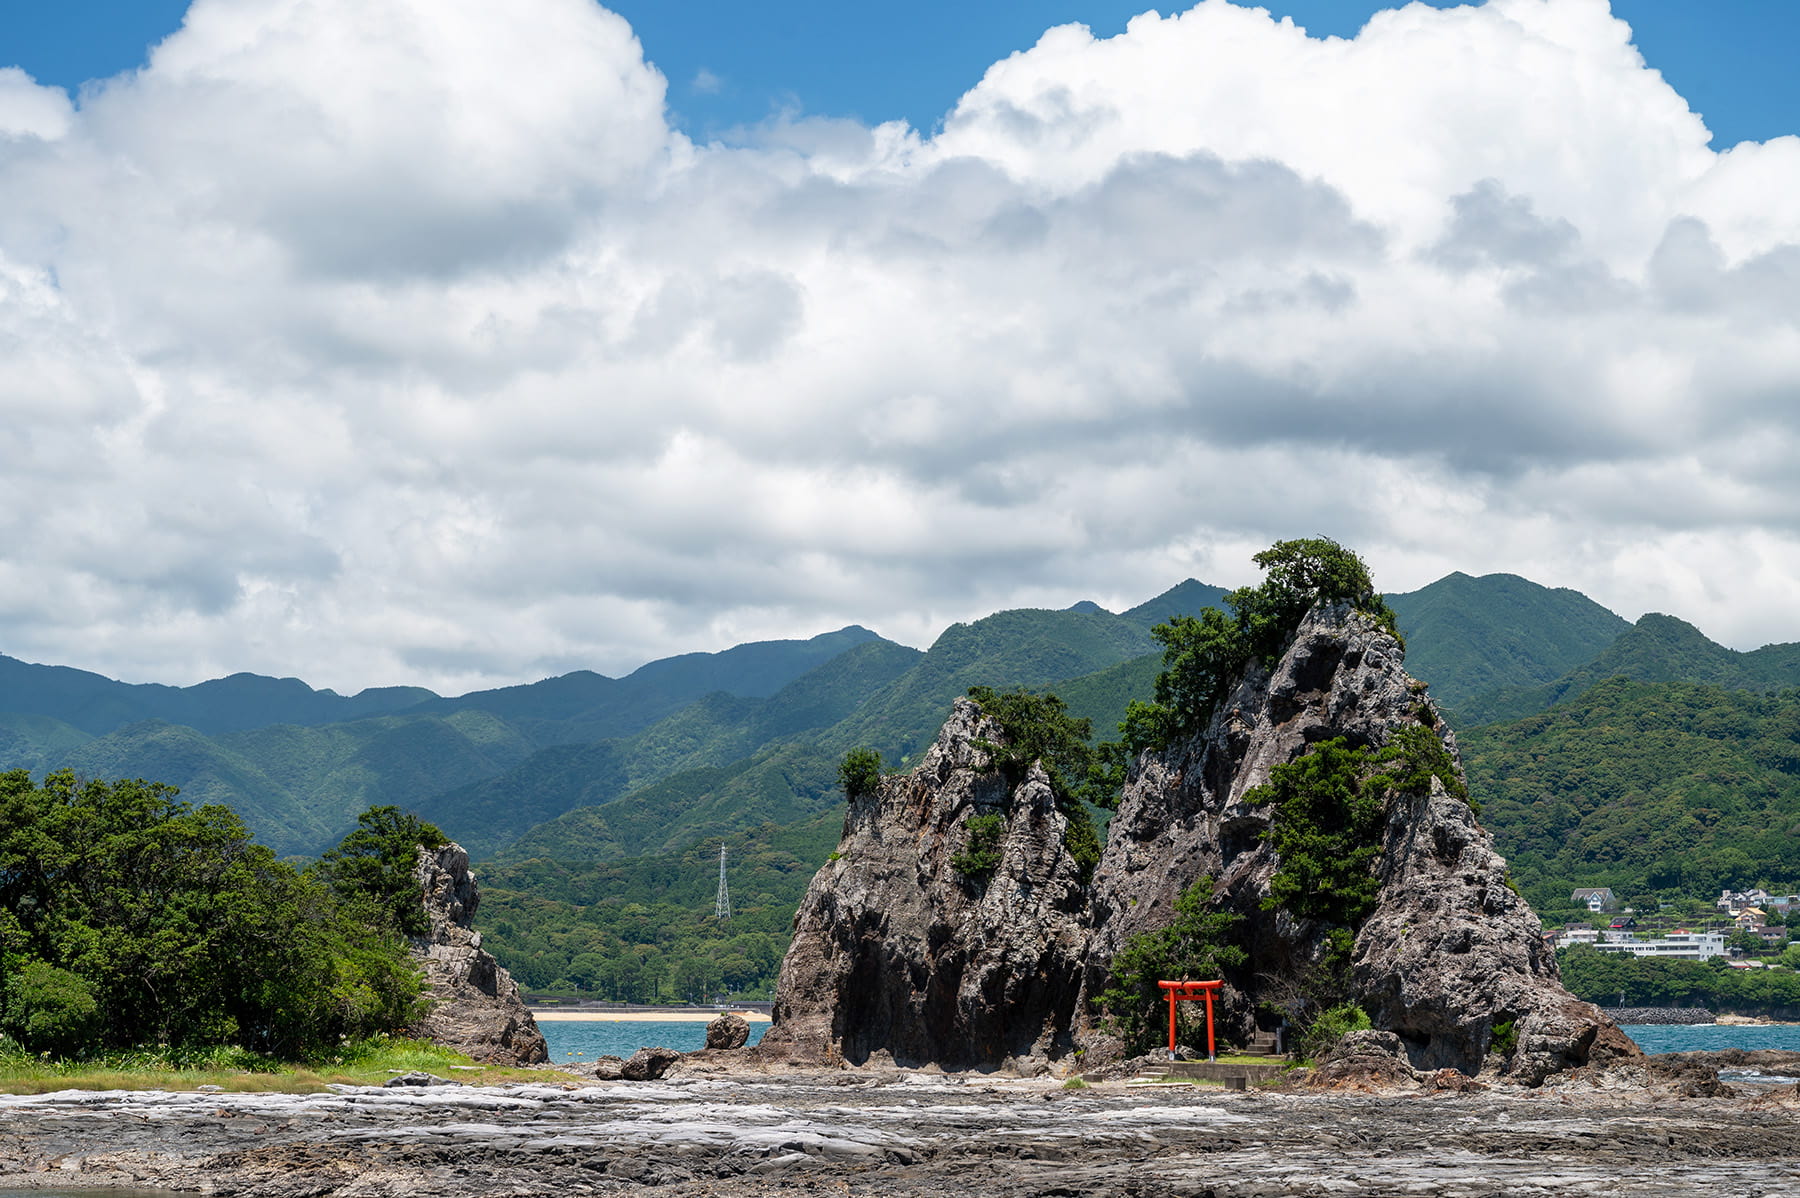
558	1015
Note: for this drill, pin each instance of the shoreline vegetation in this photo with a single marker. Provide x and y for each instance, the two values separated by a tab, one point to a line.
368	1063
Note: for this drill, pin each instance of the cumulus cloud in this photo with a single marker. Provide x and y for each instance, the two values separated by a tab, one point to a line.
406	341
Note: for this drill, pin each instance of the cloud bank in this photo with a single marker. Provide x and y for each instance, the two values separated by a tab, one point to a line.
386	341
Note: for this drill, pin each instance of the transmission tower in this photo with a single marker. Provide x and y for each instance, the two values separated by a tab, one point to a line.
722	908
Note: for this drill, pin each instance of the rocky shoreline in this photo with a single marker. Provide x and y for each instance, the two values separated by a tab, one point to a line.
717	1126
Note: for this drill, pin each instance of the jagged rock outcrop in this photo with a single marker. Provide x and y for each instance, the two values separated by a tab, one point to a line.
1454	960
894	952
898	955
475	1006
1183	816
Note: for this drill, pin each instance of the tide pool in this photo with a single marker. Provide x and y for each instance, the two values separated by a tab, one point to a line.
584	1039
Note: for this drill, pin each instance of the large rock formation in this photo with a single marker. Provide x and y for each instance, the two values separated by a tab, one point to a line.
899	955
475	1006
896	952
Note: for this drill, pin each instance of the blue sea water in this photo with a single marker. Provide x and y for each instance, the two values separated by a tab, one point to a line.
1709	1037
584	1039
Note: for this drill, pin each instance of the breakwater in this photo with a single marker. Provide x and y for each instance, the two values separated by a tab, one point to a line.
1664	1016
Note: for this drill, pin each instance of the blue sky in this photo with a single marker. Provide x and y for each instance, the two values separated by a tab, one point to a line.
729	63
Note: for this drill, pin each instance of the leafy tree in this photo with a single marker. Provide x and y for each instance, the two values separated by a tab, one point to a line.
982	854
1198	944
1037	728
372	868
860	772
1327	823
1326	830
128	918
1205	655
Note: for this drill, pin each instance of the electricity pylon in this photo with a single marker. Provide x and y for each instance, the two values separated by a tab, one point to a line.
722	908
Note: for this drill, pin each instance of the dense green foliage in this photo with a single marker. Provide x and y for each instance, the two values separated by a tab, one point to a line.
1204	656
859	773
372	869
642	929
980	856
1039	729
1321	1034
1608	978
1197	945
1325	827
1327	822
1657	790
129	918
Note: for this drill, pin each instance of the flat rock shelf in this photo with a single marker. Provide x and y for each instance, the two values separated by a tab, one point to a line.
906	1135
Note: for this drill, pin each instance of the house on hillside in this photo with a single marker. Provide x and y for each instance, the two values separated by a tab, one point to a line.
1734	901
1595	898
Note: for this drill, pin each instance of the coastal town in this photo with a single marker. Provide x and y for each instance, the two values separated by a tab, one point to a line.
1748	929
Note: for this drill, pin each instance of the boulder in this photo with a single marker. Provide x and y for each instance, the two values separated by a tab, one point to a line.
648	1064
473	1004
417	1079
728	1031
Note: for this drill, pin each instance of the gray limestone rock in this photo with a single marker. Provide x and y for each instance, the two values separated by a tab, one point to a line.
1455	962
728	1031
895	955
475	1006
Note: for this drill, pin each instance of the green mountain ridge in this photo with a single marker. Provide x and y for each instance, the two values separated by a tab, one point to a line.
1657	648
1469	637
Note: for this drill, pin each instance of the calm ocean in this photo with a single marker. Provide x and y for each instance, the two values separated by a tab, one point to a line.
585	1039
1708	1037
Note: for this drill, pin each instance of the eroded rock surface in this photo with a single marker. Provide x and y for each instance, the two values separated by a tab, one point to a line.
898	955
916	1137
475	1005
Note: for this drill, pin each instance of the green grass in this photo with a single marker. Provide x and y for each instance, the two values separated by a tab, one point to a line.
364	1063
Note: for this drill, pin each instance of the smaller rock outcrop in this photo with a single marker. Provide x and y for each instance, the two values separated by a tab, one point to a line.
728	1031
475	1006
899	953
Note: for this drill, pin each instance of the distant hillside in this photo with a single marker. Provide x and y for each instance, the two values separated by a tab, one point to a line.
98	705
713	732
299	786
584	706
1187	598
1657	648
1644	786
1470	637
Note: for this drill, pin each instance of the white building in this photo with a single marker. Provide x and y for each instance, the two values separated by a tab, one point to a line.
1680	946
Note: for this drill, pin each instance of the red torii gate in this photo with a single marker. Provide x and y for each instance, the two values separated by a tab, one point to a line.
1186	991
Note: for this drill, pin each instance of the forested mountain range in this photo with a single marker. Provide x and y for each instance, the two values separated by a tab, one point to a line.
588	796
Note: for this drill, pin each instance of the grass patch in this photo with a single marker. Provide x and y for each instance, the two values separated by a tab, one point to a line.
361	1063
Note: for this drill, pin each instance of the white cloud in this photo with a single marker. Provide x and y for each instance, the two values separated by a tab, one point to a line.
397	341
